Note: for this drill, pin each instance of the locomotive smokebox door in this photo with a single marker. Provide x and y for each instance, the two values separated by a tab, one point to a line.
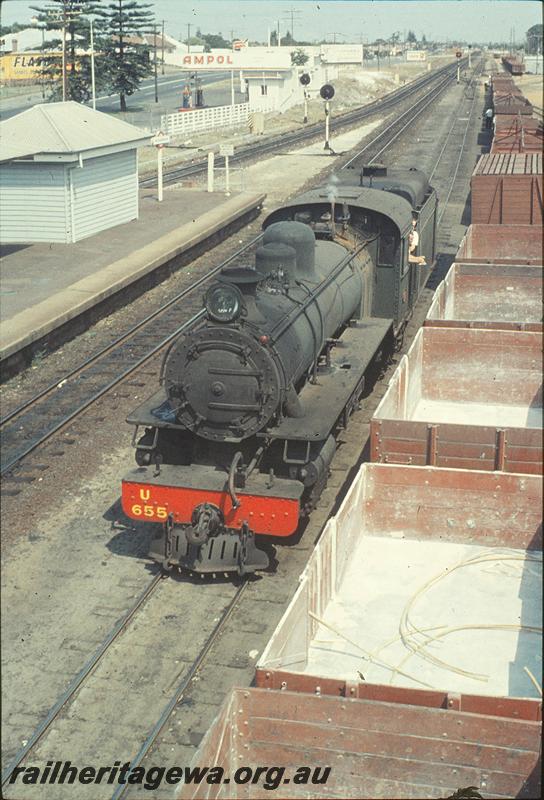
222	383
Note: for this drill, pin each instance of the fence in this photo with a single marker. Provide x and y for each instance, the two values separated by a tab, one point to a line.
203	119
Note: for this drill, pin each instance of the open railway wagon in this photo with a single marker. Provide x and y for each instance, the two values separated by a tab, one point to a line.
465	398
517	133
404	660
507	190
512	103
497	296
513	64
504	83
508	98
501	244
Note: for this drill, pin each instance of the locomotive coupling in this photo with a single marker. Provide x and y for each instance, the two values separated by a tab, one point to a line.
205	521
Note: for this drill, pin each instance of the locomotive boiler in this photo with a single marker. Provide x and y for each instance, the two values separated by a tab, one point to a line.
238	441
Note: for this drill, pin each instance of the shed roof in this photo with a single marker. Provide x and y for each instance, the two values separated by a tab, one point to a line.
64	129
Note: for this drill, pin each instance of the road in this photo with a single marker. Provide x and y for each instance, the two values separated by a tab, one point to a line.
141	107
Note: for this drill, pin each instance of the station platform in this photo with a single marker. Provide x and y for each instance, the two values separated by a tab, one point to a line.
46	286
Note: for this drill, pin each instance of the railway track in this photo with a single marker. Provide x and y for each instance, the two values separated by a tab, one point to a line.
33	423
66	398
86	689
219	660
266	147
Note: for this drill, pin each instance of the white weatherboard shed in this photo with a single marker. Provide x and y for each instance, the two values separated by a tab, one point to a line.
66	172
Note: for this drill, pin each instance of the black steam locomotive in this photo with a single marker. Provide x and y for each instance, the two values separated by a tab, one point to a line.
239	439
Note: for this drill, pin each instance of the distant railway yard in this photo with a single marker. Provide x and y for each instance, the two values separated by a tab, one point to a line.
328	552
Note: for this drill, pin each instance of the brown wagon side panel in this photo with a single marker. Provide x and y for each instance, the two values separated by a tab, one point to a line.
373	748
492	296
462	372
507	190
370	729
501	244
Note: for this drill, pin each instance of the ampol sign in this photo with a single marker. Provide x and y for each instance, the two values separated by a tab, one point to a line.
207	60
247	58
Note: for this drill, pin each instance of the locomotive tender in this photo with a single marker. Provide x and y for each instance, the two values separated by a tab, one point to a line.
238	441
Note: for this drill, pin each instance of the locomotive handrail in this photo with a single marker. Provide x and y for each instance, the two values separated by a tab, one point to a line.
235	461
284	323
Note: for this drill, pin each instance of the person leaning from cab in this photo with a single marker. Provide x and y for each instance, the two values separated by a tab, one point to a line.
413	242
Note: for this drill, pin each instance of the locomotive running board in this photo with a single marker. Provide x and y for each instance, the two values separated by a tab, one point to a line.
338	385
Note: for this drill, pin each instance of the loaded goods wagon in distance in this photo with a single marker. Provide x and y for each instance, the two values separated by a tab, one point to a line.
507	190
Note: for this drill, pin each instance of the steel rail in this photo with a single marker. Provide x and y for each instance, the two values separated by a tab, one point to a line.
288	139
420	110
84	672
458	163
446	140
102	391
177	696
116	342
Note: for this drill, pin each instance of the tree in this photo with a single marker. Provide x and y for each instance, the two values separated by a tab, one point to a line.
74	80
299	57
127	58
213	41
287	39
14	28
411	37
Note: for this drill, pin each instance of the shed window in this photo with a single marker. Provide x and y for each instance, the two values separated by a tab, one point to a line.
264	90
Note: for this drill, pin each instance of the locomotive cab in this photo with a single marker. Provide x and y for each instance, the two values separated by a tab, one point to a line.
375	207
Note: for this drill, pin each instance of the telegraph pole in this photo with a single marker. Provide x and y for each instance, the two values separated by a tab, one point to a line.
162	48
155	60
293	12
93	87
64	53
188	37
